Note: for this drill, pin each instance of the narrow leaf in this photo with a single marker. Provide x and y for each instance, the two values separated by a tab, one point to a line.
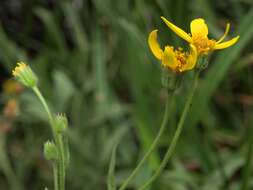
111	185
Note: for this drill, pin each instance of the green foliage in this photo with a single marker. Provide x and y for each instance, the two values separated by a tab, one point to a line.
94	64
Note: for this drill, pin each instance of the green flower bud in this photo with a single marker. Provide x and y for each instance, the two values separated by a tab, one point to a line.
61	123
50	151
24	74
170	80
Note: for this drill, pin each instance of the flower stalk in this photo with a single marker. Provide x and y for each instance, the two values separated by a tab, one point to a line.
169	101
55	151
177	134
59	166
179	61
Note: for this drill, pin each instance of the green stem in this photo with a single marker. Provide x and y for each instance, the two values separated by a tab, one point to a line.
176	136
61	163
43	101
60	168
247	167
155	142
55	170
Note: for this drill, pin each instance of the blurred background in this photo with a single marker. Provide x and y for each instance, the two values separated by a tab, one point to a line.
94	64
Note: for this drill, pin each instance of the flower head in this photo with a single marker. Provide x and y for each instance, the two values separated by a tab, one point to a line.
18	69
24	74
61	123
50	151
175	59
199	36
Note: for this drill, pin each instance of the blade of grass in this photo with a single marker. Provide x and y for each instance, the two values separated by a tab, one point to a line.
111	185
10	52
52	28
77	30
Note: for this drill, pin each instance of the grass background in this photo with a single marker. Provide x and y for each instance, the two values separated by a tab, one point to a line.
94	64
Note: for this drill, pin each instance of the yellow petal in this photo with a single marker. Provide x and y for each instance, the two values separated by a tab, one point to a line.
225	34
192	59
169	58
154	45
226	44
177	30
199	27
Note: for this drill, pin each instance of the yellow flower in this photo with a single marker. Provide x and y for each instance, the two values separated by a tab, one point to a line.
199	36
18	69
24	74
176	60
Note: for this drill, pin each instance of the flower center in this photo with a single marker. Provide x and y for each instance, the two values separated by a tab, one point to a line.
202	43
18	69
181	57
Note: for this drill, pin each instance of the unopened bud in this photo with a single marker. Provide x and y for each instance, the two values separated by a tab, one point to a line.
170	80
61	123
50	151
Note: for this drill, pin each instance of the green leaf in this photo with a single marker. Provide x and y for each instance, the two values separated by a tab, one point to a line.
77	30
111	185
10	53
64	89
52	27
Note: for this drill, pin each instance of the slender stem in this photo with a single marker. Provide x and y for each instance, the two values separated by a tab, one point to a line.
59	178
155	142
55	170
43	101
174	141
61	164
247	167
